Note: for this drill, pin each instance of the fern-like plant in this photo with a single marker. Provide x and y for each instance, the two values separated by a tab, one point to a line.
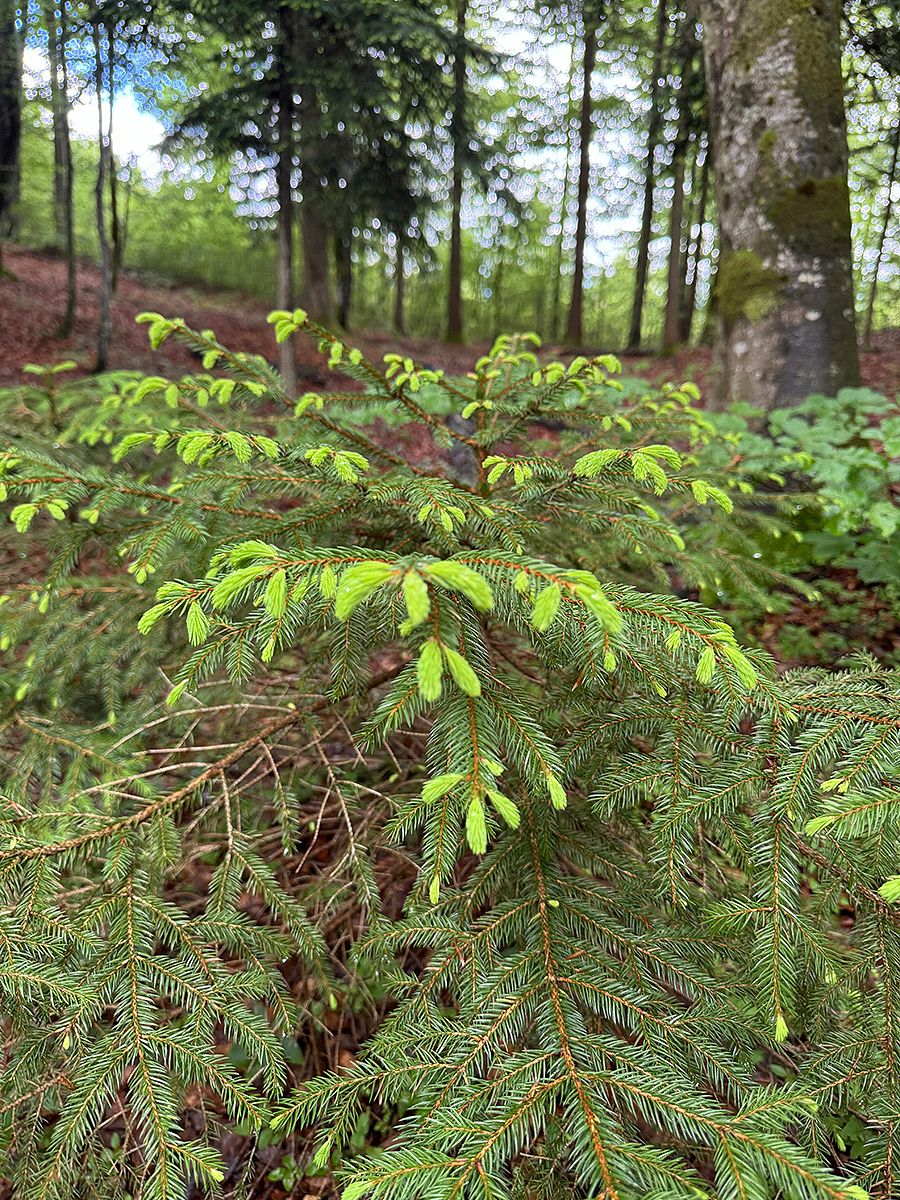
648	945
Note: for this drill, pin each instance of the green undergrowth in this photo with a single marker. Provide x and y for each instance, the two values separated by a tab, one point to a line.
303	735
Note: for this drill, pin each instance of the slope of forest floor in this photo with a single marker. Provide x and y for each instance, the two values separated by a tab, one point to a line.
32	301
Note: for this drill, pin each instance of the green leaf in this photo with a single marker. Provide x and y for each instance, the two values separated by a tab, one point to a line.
606	613
152	616
506	808
890	889
430	669
359	582
276	594
197	624
240	447
546	606
744	668
706	666
557	792
437	788
415	594
228	589
463	675
590	465
476	826
460	578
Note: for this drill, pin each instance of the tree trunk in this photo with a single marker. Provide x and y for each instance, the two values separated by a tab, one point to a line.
58	109
674	286
317	297
399	285
556	287
695	254
105	298
114	222
63	167
574	330
284	254
882	237
343	264
785	285
457	133
10	118
497	289
653	128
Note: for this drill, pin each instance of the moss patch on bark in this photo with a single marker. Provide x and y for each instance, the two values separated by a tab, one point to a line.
812	216
747	287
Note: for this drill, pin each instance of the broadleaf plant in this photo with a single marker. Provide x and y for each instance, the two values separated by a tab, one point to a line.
286	708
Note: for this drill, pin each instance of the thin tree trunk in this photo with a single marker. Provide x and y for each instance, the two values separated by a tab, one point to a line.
58	106
653	130
882	237
497	289
556	292
786	294
63	166
457	133
574	330
695	254
317	296
284	258
343	263
105	298
674	286
114	223
399	284
10	118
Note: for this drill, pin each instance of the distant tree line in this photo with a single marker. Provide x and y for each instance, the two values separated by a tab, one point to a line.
367	114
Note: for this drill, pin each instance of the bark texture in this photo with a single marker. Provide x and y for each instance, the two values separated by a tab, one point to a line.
785	284
284	165
104	324
10	116
574	327
654	127
457	134
317	297
63	165
400	285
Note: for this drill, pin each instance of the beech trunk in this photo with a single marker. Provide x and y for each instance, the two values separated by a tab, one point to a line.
785	285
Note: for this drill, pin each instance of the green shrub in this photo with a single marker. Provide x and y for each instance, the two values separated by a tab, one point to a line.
618	970
842	454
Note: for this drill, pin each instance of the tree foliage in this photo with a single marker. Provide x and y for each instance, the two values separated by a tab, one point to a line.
619	969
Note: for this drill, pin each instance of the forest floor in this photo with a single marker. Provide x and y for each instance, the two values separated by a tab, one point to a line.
32	299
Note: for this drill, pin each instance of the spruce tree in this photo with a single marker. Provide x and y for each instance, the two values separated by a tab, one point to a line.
626	847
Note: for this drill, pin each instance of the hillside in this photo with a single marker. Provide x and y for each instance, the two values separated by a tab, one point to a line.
30	303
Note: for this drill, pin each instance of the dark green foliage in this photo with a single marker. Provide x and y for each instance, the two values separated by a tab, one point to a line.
840	459
621	843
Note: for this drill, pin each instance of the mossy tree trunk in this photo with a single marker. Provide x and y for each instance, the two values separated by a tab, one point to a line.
785	285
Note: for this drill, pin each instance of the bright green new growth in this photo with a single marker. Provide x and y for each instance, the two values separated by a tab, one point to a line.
619	971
